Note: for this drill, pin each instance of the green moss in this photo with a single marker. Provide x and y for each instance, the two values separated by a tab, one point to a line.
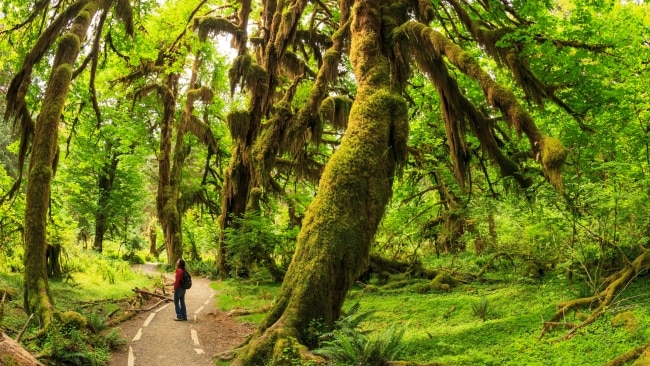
238	123
443	281
73	319
203	94
215	25
553	155
68	43
625	319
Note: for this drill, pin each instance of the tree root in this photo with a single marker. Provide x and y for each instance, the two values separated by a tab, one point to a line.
614	285
242	312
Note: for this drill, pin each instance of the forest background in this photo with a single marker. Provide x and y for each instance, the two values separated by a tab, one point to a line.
328	145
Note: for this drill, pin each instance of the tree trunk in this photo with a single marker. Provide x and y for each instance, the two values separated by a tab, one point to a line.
53	255
333	245
167	191
235	196
42	164
105	184
153	236
13	354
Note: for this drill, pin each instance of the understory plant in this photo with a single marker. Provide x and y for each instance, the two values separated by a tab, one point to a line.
349	345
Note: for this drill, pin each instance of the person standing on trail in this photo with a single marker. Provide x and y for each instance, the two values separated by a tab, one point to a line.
179	292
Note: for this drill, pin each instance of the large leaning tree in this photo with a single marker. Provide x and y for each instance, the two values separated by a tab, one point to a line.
58	45
454	43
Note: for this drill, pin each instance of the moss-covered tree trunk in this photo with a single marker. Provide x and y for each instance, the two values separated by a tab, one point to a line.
339	225
170	205
166	198
235	196
42	163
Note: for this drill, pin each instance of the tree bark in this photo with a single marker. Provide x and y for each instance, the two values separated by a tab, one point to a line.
105	185
13	354
339	225
167	189
53	255
42	164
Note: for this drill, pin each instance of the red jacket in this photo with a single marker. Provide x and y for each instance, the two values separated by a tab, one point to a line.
179	277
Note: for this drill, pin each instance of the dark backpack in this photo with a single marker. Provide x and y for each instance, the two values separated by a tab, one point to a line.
186	281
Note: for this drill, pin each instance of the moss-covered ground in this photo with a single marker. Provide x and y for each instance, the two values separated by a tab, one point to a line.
497	321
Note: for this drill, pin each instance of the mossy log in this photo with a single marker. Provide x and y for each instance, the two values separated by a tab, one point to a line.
641	354
615	283
13	354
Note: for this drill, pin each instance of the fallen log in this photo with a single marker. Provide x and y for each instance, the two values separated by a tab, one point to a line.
151	307
13	354
149	293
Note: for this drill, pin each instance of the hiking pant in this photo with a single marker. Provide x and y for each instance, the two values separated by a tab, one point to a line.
179	303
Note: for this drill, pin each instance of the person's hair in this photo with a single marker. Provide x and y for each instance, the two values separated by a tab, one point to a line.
181	264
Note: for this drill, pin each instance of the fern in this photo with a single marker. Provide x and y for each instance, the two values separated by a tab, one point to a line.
347	345
481	309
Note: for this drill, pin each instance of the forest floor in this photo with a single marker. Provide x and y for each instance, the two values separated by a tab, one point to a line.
154	338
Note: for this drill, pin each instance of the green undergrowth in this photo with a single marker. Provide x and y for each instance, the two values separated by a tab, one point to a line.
249	295
92	290
497	322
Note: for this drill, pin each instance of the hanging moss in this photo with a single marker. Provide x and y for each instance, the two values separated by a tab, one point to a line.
213	25
238	124
124	12
257	79
336	110
239	71
553	155
204	94
292	65
425	11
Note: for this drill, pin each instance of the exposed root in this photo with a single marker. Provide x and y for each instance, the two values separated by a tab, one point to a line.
242	312
602	300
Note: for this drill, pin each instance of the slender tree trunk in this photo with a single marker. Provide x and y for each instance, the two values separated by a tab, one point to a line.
333	245
41	166
52	256
105	184
153	236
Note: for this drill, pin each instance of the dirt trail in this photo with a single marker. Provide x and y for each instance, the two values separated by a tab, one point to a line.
154	338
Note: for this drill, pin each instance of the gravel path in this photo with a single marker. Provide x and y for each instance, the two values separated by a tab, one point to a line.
154	338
